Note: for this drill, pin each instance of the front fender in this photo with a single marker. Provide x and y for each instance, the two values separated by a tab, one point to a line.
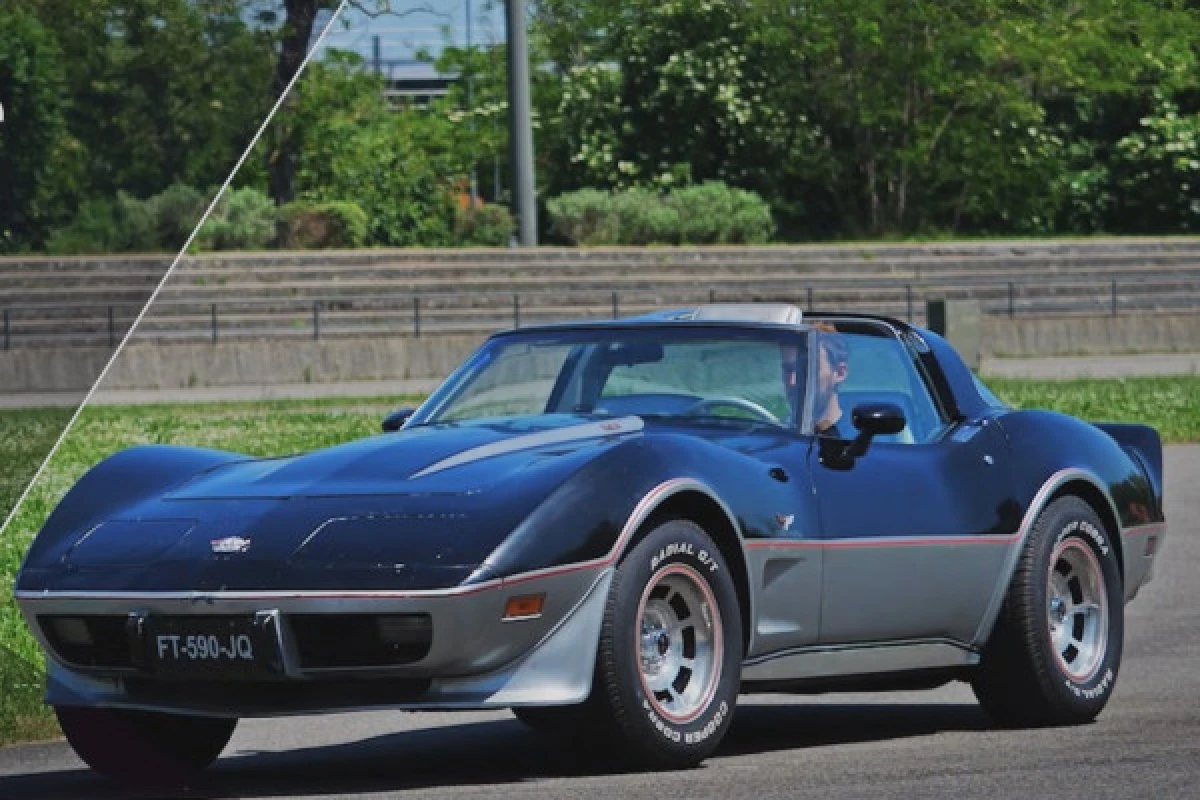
590	518
118	482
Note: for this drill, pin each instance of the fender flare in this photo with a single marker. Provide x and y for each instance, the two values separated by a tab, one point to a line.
1040	500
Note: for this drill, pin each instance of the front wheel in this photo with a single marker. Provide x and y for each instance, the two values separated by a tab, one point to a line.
1056	648
142	747
669	662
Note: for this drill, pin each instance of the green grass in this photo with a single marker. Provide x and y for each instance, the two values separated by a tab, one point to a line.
1172	405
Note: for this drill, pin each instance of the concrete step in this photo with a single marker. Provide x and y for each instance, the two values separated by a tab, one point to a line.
291	274
129	304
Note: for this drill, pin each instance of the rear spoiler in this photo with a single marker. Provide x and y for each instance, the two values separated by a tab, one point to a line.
1145	448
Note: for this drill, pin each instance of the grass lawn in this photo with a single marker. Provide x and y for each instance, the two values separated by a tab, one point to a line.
1172	405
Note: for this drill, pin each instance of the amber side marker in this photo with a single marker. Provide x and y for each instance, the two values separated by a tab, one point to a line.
525	606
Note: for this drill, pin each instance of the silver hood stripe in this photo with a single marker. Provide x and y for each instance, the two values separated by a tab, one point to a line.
574	433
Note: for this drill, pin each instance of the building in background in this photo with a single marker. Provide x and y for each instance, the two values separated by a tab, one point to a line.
401	45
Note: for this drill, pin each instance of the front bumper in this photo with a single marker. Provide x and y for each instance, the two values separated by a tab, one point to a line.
476	659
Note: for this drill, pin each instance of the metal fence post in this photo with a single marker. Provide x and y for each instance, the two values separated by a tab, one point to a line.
516	310
810	303
112	328
416	318
908	300
7	329
712	295
1114	297
316	320
1012	299
616	311
214	323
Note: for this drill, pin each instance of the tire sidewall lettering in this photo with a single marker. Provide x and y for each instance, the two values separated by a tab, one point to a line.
680	736
1085	692
1102	683
674	550
1084	529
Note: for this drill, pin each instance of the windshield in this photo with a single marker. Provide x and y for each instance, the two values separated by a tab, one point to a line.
685	372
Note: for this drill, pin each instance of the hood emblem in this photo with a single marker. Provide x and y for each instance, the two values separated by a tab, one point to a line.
785	522
230	544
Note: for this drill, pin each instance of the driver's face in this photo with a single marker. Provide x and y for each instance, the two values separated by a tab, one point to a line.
829	375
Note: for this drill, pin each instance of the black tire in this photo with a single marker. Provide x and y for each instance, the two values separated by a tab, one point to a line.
672	559
144	748
1027	677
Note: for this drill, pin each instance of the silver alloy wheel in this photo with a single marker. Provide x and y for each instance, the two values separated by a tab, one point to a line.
1077	608
679	643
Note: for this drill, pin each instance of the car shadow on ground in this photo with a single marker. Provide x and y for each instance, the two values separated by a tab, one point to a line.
500	751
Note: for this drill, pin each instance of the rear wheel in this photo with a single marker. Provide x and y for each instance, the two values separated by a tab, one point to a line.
1053	656
669	662
143	747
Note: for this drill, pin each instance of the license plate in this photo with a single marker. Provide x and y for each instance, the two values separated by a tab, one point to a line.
209	647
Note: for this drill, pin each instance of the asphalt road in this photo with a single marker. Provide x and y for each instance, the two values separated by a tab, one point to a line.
918	744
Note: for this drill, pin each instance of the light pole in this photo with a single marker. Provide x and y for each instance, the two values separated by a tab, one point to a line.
474	189
520	126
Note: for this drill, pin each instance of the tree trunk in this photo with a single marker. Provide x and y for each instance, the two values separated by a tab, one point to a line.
300	16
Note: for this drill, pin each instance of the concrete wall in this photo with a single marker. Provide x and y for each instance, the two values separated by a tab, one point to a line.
149	366
143	366
1106	335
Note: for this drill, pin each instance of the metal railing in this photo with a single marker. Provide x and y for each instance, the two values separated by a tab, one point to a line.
432	313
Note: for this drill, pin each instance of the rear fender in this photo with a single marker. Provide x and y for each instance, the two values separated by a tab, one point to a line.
1144	446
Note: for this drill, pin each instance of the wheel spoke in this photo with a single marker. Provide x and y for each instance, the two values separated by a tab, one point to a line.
678	636
1076	608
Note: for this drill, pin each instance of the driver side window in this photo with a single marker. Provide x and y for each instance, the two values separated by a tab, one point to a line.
879	370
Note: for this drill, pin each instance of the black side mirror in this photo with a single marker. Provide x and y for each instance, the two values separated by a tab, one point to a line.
871	420
878	419
395	420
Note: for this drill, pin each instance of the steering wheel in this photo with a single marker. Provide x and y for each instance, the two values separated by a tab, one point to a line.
706	403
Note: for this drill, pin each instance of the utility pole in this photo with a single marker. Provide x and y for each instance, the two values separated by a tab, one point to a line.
474	188
520	126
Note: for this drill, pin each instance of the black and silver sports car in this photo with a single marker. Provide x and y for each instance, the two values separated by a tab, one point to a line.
613	529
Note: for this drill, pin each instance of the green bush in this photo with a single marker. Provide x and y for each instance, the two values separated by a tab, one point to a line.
752	221
642	217
126	224
244	219
488	226
585	217
94	230
320	225
711	213
177	210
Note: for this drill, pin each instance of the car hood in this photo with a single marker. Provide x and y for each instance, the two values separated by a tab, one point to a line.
417	509
444	459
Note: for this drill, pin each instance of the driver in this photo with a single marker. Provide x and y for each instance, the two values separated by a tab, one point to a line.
832	368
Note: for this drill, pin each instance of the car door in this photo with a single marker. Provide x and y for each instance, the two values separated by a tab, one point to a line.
914	531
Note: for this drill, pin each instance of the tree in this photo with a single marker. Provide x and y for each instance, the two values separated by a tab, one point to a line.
402	168
161	91
680	98
38	157
295	39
